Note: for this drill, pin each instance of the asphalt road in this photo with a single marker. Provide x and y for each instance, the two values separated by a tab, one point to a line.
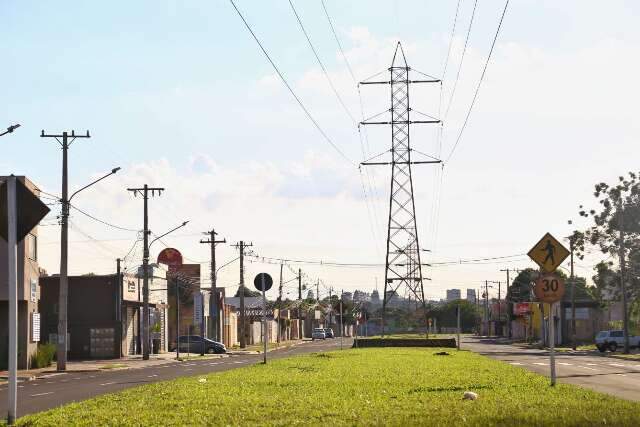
60	388
588	369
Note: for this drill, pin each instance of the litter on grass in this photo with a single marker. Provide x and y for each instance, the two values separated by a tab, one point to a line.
469	395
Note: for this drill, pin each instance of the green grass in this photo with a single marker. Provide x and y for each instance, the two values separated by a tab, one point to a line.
389	386
112	366
409	336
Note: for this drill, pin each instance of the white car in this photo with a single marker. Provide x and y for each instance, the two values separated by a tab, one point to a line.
318	334
612	340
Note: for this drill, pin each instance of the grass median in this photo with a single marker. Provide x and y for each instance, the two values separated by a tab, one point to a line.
386	386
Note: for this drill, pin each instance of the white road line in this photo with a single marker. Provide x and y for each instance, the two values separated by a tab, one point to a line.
20	386
564	363
49	382
151	376
92	376
189	369
617	364
586	367
34	383
106	384
41	394
621	375
540	363
515	363
592	364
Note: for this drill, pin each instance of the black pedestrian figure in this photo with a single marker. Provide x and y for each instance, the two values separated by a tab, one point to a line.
550	249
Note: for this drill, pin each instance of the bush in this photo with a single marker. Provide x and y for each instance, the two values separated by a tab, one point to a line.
43	357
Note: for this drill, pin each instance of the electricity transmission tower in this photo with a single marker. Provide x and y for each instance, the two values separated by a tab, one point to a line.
403	267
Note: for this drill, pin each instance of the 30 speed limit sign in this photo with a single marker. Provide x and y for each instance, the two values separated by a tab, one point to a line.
549	288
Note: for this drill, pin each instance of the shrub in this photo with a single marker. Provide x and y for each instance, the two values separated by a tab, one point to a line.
44	356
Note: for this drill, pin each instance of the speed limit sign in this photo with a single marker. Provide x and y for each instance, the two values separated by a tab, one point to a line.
549	288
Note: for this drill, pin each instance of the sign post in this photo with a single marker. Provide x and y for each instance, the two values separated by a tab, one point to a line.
20	212
458	322
549	253
263	282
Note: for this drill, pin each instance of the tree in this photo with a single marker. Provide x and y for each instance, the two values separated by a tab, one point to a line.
522	286
447	317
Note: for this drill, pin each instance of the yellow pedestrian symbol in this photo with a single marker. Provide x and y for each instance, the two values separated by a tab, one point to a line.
548	253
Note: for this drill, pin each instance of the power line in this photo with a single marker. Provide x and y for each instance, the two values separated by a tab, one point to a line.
484	70
464	50
453	31
335	35
102	221
275	67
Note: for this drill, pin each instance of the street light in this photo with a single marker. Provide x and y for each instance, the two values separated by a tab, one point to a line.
168	232
64	277
10	129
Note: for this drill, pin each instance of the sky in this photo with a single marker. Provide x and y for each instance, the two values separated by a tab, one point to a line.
180	96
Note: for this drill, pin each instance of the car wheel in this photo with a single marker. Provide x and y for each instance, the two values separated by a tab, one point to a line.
613	347
601	348
211	350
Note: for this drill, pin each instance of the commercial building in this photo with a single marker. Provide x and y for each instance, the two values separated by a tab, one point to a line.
28	294
453	294
471	295
105	313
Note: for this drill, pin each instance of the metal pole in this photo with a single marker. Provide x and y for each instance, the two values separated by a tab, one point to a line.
12	248
119	305
61	351
499	313
458	310
177	319
264	320
300	299
145	282
573	300
623	286
279	304
341	324
552	344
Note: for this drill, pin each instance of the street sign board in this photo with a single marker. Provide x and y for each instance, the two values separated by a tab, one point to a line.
549	288
548	253
263	278
30	210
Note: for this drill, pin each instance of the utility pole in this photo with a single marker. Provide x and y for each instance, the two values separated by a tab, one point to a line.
178	319
241	246
508	300
300	335
623	286
341	324
144	192
213	303
61	350
279	304
486	304
119	305
12	276
573	299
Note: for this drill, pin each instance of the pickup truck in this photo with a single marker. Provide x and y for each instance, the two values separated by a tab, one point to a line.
612	340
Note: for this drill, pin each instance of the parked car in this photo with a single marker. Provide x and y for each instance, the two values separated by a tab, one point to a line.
612	340
318	334
328	332
195	344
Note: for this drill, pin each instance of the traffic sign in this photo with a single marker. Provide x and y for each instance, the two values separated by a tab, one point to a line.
263	278
548	253
549	288
30	210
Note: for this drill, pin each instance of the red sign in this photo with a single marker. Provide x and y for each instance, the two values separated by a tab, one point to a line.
171	257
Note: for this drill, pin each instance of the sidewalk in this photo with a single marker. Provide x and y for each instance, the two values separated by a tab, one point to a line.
129	362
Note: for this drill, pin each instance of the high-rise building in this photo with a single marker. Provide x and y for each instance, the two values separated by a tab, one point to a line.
453	294
471	295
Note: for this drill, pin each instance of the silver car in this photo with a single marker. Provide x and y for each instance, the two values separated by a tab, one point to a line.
318	334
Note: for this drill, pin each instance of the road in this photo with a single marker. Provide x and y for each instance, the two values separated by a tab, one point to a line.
58	389
588	369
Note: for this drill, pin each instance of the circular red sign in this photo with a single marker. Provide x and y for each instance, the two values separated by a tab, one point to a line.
170	256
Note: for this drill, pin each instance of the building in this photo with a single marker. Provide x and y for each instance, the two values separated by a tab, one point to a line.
347	296
453	294
28	294
471	295
105	313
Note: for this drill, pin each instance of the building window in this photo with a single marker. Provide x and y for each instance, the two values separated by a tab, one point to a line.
32	247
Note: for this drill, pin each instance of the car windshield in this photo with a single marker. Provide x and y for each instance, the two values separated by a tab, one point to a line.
602	334
318	330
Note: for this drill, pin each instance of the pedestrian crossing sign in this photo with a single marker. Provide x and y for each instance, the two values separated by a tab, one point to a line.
548	253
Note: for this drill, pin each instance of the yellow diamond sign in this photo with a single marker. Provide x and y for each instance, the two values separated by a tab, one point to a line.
548	253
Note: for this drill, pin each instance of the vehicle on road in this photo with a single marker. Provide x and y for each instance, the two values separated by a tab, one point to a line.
328	332
614	339
318	334
195	344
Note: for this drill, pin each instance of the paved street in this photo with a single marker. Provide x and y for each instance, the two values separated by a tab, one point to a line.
57	389
617	377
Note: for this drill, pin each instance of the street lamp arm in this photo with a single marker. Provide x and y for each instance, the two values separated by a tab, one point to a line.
224	265
168	232
10	129
113	171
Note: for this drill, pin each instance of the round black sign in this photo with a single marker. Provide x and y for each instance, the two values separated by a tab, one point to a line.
263	278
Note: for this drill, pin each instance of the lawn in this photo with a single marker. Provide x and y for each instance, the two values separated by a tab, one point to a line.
387	386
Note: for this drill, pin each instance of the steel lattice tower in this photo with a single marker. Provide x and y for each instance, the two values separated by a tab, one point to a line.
403	267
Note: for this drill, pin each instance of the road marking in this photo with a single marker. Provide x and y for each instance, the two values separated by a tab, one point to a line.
107	384
540	363
617	364
586	367
49	382
515	363
20	386
34	384
151	376
564	363
592	364
92	376
621	375
189	369
41	394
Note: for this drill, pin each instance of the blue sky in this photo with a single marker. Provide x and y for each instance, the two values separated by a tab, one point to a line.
178	93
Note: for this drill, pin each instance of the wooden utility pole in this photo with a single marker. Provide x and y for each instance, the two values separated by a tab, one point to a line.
63	297
300	335
573	299
144	191
279	305
213	303
119	305
243	336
